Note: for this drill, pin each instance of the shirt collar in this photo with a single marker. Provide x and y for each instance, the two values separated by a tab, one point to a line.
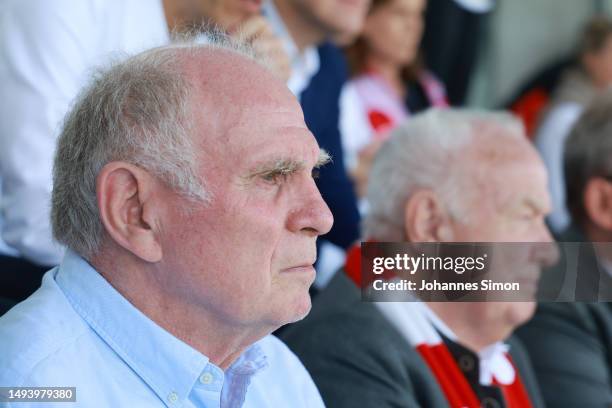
493	359
168	365
303	65
437	323
239	375
420	325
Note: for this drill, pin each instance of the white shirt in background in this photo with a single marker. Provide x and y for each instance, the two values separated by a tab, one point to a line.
48	51
305	64
550	141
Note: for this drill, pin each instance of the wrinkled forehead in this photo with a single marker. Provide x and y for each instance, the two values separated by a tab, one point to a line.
515	178
494	143
251	125
232	94
246	117
508	171
271	134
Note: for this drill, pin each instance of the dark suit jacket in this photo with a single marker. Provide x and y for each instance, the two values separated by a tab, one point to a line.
578	275
320	102
570	345
358	359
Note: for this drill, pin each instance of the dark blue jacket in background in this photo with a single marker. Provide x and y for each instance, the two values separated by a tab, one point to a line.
320	102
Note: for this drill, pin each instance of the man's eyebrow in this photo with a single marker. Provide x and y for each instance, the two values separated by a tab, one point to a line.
284	166
287	166
278	166
324	158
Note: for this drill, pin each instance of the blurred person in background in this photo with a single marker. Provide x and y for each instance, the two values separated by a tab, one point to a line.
591	74
443	176
47	49
318	72
570	344
453	40
390	82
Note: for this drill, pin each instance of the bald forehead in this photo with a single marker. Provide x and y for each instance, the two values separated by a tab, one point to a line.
201	62
487	157
228	89
226	76
502	147
508	168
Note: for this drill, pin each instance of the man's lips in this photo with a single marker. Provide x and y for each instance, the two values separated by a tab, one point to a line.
307	267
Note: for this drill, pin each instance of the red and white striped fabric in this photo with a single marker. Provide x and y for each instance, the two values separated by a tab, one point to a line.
421	328
383	106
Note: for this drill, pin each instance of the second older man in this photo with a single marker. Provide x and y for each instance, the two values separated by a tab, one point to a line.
183	189
445	176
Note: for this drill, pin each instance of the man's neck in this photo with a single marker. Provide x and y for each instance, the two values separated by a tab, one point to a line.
195	326
222	344
473	337
304	30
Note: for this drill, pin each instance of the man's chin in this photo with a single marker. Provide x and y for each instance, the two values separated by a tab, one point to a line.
300	310
522	312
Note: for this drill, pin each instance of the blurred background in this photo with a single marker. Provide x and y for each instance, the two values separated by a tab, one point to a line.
521	38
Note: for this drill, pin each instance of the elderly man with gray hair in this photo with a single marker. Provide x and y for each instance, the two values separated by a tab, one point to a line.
183	189
444	176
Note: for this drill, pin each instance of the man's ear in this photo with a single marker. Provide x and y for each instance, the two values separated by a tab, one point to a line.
426	219
597	199
127	209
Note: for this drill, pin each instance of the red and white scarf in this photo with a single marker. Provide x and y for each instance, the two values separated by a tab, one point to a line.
421	328
383	106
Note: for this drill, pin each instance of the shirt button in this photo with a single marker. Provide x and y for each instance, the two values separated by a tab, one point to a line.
489	402
172	397
466	363
206	378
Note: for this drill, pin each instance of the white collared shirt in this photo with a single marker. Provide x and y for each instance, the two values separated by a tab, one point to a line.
48	50
493	360
420	325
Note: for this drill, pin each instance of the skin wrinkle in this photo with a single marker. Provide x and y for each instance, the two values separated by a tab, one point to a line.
521	172
233	266
283	167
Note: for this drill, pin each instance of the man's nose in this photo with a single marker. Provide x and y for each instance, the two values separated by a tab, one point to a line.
546	253
547	250
312	214
541	233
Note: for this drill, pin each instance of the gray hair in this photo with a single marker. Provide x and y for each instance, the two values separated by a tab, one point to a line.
588	152
137	111
428	151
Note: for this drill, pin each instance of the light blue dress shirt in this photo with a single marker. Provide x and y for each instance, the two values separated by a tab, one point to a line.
78	331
